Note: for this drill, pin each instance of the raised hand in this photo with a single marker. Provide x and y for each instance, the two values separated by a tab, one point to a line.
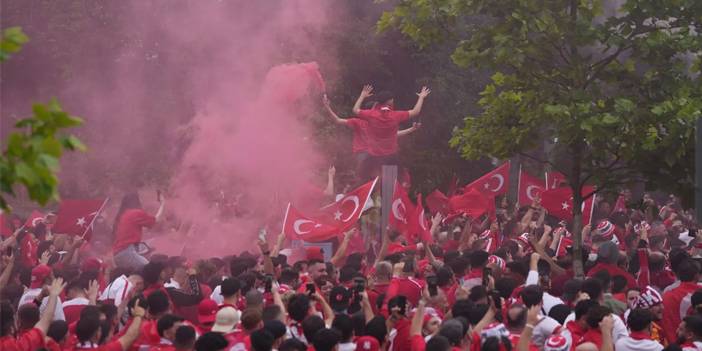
367	91
56	287
332	171
424	92
138	311
45	256
416	125
93	287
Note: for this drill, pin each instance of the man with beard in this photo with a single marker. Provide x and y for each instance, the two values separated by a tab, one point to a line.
689	333
651	300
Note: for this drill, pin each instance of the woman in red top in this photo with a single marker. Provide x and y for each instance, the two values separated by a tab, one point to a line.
129	223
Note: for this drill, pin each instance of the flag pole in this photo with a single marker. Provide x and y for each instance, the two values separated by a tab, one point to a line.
90	226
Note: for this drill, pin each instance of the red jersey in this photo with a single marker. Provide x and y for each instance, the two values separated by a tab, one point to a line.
129	228
613	271
73	307
238	341
373	294
382	129
29	341
110	346
28	249
360	134
417	343
408	287
402	341
677	305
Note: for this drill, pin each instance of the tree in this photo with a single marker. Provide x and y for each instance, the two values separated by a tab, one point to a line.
32	155
615	86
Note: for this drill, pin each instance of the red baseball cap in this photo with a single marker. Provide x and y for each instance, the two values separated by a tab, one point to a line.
91	264
39	274
314	253
207	311
367	343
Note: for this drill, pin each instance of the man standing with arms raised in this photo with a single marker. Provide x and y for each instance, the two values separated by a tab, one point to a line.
383	122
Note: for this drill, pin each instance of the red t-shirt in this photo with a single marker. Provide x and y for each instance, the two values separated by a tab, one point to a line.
28	249
418	343
238	341
29	341
114	345
129	228
402	340
613	271
382	130
360	134
408	287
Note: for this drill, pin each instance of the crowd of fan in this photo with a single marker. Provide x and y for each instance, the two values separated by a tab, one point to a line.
491	284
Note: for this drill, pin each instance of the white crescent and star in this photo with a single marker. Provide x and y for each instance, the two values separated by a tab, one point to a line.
298	223
396	206
501	182
356	203
422	221
81	221
529	189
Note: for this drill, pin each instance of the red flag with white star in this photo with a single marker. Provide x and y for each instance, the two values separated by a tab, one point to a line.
75	217
494	183
34	219
419	225
559	203
297	226
401	211
472	203
437	202
345	212
529	188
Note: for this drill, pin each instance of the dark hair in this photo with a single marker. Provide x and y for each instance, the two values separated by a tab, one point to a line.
292	345
438	343
152	272
250	318
532	295
230	287
596	314
693	324
7	317
444	276
86	328
478	259
288	276
158	302
57	330
560	313
167	322
605	278
27	316
571	288
459	265
359	323
384	96
184	337
582	307
344	324
271	312
377	328
477	293
493	343
346	274
298	307
311	325
275	327
688	270
592	287
211	341
325	339
262	340
129	201
452	330
639	319
619	284
90	311
519	320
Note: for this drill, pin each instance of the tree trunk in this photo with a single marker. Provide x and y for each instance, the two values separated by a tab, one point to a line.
577	229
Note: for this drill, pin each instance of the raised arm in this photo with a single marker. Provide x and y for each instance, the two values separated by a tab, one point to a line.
341	252
48	316
326	309
330	112
329	190
366	92
418	319
420	101
132	333
162	202
8	264
415	126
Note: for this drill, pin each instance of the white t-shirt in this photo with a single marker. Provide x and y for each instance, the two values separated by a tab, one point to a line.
117	290
630	344
548	299
29	296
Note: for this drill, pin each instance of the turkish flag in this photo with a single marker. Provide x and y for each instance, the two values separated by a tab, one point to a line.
297	226
401	211
348	209
555	180
529	188
563	245
34	218
559	203
472	203
75	217
437	202
494	183
453	186
419	225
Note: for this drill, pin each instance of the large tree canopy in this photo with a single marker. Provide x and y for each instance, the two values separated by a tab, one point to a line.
613	84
